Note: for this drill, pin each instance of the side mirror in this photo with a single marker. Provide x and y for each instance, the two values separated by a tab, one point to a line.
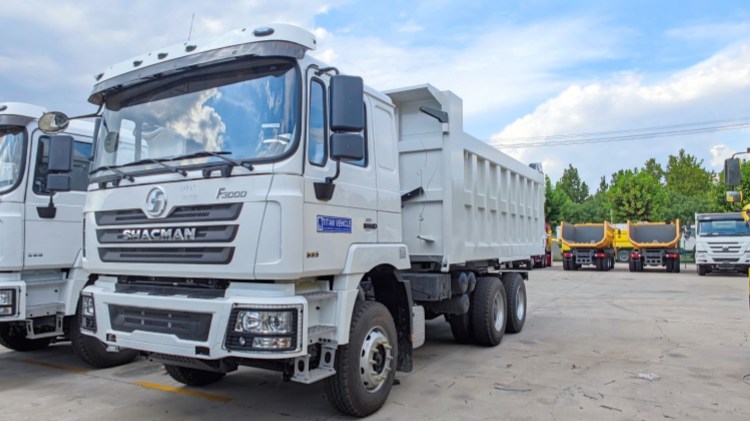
347	96
347	146
59	166
53	122
734	197
732	172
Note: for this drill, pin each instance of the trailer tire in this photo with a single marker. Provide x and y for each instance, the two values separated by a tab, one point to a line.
14	337
92	351
193	376
639	265
515	293
489	311
631	265
372	336
670	265
599	263
566	266
676	263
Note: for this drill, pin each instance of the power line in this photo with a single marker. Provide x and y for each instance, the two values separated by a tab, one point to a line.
587	138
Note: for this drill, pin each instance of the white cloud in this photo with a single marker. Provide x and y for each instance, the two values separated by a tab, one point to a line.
719	153
717	88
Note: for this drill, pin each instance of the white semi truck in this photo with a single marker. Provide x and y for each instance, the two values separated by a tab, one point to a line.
40	243
722	243
276	214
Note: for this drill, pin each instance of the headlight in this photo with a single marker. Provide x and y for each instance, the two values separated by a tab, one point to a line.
265	322
88	313
7	302
268	329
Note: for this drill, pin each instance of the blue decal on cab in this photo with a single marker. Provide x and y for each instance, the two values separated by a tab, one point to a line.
334	224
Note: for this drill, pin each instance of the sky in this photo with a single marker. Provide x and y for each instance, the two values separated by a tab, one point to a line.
529	72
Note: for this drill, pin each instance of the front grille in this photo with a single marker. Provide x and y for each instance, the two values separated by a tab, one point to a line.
208	234
203	213
724	247
184	255
183	324
726	260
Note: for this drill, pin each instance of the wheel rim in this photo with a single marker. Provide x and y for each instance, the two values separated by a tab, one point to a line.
499	306
521	306
375	359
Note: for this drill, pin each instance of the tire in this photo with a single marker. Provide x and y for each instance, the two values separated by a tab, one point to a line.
676	265
701	269
13	337
515	293
631	265
463	331
93	352
623	256
670	265
566	265
529	264
193	376
372	337
599	263
639	266
489	311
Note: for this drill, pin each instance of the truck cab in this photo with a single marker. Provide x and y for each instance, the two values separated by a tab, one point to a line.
40	236
722	243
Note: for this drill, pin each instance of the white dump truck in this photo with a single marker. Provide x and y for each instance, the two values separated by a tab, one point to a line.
40	246
722	243
276	214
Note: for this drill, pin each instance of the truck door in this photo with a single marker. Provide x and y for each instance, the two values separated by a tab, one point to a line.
54	242
351	215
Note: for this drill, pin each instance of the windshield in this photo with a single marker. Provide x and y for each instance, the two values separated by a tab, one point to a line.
247	110
12	141
723	228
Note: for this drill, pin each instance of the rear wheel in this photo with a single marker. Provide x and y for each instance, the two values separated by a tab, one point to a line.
599	263
488	311
623	255
631	265
13	336
366	366
670	265
193	376
529	264
676	265
639	265
515	293
566	265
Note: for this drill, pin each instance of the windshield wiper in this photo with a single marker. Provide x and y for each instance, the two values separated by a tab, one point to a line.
157	162
216	154
114	170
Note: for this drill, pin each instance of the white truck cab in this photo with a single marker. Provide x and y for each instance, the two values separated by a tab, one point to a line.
40	241
722	243
250	206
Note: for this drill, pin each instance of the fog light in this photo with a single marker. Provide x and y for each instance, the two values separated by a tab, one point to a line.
272	343
265	322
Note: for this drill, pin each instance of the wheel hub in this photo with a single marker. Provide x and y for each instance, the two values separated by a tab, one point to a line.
521	307
375	359
499	306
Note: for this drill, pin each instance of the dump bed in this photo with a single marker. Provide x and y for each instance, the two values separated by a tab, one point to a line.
590	235
654	234
465	201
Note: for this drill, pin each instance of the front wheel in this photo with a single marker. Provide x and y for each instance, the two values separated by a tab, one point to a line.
623	256
193	376
92	351
13	336
701	269
366	366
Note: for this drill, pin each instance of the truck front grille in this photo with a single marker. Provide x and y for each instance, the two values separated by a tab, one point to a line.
203	213
724	247
184	255
185	325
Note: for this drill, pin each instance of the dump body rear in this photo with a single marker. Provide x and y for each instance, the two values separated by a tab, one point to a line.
465	201
654	244
589	244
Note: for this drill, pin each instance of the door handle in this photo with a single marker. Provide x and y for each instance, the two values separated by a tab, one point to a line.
370	225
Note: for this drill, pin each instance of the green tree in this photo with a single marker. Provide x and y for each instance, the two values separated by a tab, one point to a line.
654	168
635	195
685	175
571	184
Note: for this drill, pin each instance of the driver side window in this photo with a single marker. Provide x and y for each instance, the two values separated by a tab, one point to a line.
317	153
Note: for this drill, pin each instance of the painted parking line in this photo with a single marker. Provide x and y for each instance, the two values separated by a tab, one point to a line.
74	370
186	392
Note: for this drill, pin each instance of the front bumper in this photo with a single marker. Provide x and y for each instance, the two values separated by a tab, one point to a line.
192	327
13	304
723	261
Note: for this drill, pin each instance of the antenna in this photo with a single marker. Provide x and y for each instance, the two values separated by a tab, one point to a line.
190	32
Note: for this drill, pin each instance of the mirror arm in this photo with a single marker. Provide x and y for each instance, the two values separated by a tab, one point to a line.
329	180
92	115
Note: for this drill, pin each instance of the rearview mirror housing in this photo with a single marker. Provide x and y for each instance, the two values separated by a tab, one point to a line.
347	109
53	122
732	172
347	146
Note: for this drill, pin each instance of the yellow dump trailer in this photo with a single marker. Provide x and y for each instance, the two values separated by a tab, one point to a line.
589	244
623	246
654	244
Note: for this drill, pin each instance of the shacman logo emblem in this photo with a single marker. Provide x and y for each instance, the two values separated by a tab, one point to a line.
156	201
